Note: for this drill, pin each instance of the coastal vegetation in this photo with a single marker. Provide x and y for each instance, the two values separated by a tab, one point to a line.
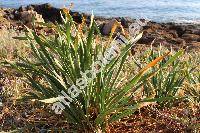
154	89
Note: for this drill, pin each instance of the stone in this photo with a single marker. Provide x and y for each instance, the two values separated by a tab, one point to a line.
124	22
101	27
178	28
173	33
77	17
190	37
196	31
29	7
180	41
193	45
21	9
27	16
156	26
48	12
108	27
146	40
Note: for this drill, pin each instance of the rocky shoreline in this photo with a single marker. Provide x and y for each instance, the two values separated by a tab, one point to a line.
169	34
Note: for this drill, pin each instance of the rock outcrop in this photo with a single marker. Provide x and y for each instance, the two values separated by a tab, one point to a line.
27	17
168	34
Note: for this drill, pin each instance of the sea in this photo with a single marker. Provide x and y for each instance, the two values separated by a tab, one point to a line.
179	11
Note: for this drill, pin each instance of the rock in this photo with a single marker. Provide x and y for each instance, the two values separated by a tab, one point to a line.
156	26
29	7
196	31
190	37
147	27
108	26
77	17
193	45
52	14
27	16
146	40
178	28
174	33
48	12
147	30
180	41
101	27
22	9
124	22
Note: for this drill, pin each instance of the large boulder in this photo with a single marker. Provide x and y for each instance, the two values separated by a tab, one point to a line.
48	12
27	17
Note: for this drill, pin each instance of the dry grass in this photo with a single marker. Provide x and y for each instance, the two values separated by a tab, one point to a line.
11	49
14	87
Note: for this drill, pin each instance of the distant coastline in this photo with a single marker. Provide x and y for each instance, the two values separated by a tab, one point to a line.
179	11
176	35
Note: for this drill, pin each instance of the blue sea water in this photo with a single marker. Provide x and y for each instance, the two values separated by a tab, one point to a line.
155	10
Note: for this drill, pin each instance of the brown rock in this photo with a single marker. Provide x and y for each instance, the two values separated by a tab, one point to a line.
190	37
108	26
180	29
22	9
174	33
196	31
27	16
194	45
180	41
48	12
146	40
168	35
156	26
